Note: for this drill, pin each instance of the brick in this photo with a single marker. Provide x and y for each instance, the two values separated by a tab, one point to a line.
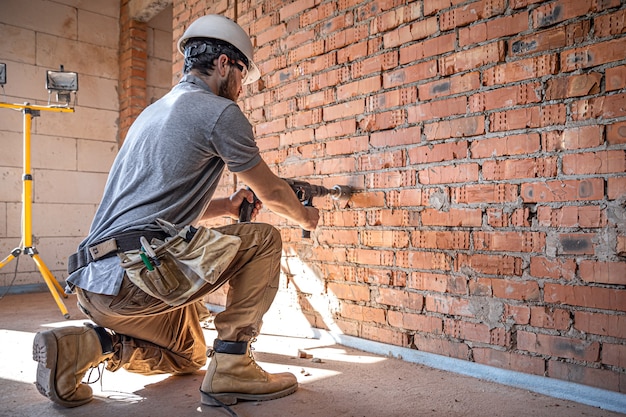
559	346
610	24
572	216
437	153
616	133
286	12
616	187
540	41
349	145
504	97
599	162
389	138
580	374
518	314
392	218
423	260
359	87
464	15
400	298
336	237
510	241
416	30
575	243
449	174
381	160
427	48
614	354
417	322
380	334
472	58
435	110
363	313
437	282
484	193
494	29
585	296
573	86
453	349
523	69
447	304
405	197
374	65
410	74
440	239
392	179
384	238
382	121
521	144
337	129
509	360
349	291
558	268
451	85
476	332
516	290
519	168
370	257
600	324
603	272
566	190
573	138
594	55
497	217
433	6
454	128
489	264
343	110
549	318
559	11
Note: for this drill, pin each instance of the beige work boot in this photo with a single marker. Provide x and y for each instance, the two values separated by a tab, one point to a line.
65	355
236	376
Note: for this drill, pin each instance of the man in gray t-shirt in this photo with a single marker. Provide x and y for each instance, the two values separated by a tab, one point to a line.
168	168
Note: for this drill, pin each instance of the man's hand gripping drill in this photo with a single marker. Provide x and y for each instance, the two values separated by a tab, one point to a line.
305	193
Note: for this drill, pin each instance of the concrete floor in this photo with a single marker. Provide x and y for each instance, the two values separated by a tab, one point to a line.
341	382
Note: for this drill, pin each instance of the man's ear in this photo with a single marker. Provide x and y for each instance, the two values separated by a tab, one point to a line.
222	65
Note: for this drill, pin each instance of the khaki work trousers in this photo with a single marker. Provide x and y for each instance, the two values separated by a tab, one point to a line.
152	337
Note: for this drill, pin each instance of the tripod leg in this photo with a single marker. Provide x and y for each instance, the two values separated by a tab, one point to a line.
14	254
53	284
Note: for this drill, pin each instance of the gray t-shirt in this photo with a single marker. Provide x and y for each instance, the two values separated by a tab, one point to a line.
169	167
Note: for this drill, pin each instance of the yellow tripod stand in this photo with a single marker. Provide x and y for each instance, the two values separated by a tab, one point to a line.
26	246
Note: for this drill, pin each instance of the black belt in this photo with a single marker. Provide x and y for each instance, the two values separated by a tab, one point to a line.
110	246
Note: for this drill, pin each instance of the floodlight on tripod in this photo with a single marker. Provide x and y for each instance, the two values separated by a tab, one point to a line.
63	84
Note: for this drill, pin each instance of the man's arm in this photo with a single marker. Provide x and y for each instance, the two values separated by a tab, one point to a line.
278	196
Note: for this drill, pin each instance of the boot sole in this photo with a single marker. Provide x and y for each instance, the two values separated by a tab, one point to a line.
229	398
45	353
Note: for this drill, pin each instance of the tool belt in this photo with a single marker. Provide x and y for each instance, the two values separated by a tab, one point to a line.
110	246
175	269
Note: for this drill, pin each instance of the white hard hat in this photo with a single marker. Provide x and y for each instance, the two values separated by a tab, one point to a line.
222	28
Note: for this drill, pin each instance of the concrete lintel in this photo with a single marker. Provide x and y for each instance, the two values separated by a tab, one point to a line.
144	10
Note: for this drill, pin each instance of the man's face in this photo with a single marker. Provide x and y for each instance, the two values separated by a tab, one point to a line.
231	87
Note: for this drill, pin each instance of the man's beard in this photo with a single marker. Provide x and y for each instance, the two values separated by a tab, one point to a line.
228	88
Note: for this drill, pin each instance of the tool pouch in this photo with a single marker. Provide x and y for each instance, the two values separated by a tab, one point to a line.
186	261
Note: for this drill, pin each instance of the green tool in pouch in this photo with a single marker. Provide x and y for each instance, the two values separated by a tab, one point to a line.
174	270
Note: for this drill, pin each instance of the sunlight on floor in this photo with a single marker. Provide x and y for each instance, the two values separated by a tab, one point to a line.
122	386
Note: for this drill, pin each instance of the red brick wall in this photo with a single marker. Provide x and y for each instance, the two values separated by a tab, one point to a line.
133	66
487	142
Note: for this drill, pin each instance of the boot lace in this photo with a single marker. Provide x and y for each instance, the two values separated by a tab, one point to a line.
251	356
99	377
